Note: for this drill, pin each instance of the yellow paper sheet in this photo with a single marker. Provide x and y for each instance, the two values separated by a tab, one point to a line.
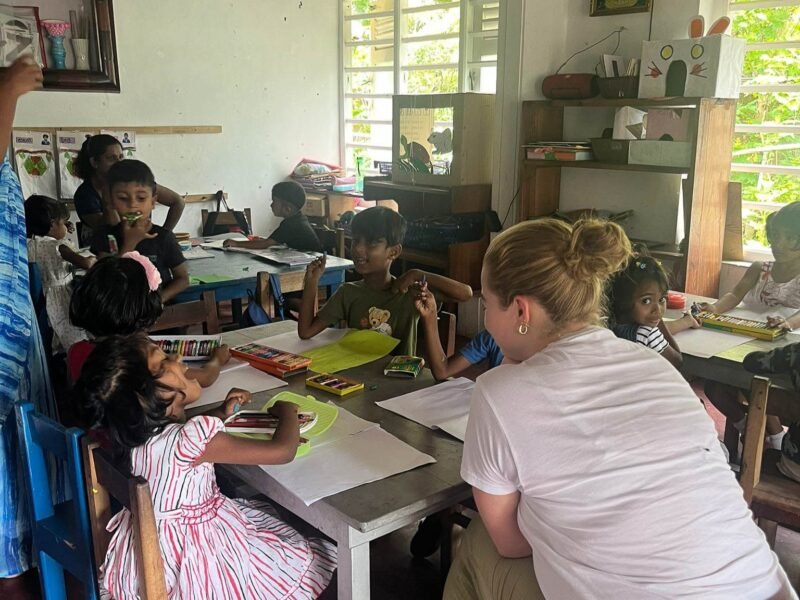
357	348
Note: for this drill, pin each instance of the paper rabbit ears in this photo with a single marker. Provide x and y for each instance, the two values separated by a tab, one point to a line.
698	23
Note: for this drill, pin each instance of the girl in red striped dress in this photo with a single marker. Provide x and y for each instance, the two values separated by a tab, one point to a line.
213	546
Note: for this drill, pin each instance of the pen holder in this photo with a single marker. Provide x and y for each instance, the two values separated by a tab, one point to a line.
619	87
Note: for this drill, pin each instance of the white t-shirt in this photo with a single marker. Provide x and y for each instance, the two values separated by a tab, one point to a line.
625	492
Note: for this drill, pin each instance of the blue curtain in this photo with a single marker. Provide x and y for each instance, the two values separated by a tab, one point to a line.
23	374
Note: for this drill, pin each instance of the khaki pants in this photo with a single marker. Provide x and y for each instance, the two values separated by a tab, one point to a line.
480	573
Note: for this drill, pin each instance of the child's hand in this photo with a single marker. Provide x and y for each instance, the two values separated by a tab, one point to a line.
425	302
314	271
779	322
134	232
221	354
692	322
283	409
230	244
707	307
406	280
23	76
235	399
90	262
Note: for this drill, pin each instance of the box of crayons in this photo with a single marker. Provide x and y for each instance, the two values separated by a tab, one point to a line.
188	347
757	329
334	384
404	366
273	361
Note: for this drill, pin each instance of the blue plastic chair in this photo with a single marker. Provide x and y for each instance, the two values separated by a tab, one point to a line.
62	536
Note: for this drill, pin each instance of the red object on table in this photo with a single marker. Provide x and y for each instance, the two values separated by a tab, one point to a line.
676	300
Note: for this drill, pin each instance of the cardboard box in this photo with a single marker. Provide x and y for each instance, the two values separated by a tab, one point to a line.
660	153
706	67
669	122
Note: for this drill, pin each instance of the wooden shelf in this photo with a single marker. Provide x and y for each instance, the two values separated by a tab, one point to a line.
616	102
425	257
593	164
704	185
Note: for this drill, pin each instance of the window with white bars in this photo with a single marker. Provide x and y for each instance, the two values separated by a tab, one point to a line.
409	47
766	152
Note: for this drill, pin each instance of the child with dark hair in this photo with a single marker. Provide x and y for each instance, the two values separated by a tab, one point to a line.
47	223
379	301
637	301
288	199
119	296
771	288
212	545
97	155
132	189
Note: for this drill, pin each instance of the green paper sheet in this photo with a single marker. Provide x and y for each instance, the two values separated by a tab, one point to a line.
210	278
354	349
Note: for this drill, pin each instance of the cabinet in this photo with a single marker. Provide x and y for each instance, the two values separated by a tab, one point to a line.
327	209
461	261
705	180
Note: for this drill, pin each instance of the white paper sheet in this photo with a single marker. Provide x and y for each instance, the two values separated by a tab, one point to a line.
246	378
446	402
195	253
216	241
291	342
347	463
457	426
345	425
233	364
706	343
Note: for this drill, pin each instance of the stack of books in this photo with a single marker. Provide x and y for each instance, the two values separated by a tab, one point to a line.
558	151
273	361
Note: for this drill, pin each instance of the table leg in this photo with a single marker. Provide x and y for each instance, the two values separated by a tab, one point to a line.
353	572
236	310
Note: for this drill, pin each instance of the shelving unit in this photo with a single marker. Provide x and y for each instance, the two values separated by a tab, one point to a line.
705	181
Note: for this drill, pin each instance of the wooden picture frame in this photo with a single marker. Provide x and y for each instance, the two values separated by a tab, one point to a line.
604	8
103	75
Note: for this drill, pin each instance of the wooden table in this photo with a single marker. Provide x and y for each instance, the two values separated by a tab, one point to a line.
725	370
355	517
243	268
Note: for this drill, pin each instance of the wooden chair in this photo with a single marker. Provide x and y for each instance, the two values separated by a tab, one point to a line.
447	333
332	240
773	498
61	533
105	479
191	313
290	281
225	219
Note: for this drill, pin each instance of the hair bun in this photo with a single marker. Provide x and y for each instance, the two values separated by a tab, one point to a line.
596	249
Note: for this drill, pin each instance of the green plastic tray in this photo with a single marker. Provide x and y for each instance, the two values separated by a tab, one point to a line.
326	416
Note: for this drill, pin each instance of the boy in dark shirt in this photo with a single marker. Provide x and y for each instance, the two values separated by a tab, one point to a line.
133	188
288	199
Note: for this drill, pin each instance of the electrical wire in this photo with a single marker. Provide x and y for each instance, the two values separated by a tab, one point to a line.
616	32
510	205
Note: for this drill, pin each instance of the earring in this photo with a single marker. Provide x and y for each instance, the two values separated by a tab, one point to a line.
522	329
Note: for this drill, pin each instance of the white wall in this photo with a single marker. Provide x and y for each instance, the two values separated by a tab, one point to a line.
267	72
551	32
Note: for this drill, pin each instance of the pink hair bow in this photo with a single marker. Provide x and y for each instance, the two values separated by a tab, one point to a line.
153	276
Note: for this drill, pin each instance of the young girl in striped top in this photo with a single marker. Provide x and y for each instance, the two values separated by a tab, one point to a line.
212	546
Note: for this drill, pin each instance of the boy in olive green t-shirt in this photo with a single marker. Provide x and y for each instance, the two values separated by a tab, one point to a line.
380	301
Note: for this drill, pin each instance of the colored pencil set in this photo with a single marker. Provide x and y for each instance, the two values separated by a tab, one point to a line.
273	361
188	347
757	329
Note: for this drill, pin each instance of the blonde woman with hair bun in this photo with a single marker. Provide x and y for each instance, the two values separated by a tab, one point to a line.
595	471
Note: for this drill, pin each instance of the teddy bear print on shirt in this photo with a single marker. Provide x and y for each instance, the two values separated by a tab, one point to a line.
378	320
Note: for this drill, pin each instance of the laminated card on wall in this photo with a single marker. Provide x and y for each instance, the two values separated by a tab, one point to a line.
35	162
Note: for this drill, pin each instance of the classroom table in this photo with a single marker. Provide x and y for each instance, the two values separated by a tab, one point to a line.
241	269
355	517
728	370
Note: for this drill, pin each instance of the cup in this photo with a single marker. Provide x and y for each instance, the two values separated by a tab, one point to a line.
80	49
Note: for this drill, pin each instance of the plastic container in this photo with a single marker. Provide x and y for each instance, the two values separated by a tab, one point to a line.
619	87
676	300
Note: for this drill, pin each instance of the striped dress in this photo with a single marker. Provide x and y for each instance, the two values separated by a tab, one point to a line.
213	546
